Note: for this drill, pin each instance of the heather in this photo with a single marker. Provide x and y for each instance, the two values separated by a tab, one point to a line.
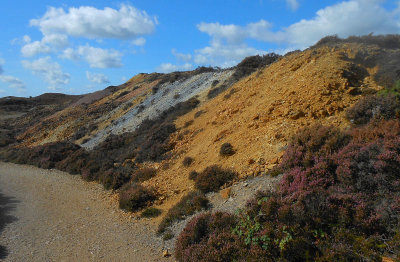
338	200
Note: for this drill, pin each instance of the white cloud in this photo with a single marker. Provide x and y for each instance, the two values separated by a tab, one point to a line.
96	57
47	45
227	45
167	68
90	22
292	4
97	78
139	41
27	39
49	71
34	48
233	34
180	56
13	82
355	17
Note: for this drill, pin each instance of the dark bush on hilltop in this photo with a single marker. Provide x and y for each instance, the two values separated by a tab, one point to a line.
383	41
374	107
144	174
191	203
133	197
213	177
338	200
252	63
226	150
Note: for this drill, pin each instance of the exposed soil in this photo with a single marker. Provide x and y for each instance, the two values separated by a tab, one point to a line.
48	215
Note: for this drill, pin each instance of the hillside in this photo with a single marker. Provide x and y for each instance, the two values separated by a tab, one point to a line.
144	137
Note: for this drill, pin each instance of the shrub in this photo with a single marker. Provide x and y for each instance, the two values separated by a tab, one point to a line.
252	63
188	123
213	92
207	238
192	202
312	143
187	161
134	197
343	204
226	150
373	107
193	175
213	177
143	174
198	113
115	178
151	212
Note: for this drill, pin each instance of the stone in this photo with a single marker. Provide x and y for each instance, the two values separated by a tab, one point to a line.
166	253
225	193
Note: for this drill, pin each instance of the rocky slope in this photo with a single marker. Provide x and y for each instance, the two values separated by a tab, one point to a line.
257	113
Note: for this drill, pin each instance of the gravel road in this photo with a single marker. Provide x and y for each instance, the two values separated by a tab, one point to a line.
48	215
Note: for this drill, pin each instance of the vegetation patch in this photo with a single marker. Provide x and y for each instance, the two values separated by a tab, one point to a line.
193	175
213	177
134	197
226	150
187	161
338	200
151	212
191	203
143	174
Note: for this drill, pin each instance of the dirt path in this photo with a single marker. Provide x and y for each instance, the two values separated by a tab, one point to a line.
48	215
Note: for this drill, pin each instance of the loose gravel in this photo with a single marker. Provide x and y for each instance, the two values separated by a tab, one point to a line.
48	215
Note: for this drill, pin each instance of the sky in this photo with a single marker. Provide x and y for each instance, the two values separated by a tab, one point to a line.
77	47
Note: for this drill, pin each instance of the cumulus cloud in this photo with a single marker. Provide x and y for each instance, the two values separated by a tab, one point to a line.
180	56
90	22
97	78
139	41
13	82
96	57
47	45
167	68
355	17
49	71
227	45
292	4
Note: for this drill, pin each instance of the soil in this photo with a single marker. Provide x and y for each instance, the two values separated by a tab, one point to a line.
48	215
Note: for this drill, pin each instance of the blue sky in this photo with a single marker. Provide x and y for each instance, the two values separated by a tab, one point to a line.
82	46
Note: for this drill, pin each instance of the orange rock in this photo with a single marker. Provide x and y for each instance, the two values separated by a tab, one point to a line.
225	193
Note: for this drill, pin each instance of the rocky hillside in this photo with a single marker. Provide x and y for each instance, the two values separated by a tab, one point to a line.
155	137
